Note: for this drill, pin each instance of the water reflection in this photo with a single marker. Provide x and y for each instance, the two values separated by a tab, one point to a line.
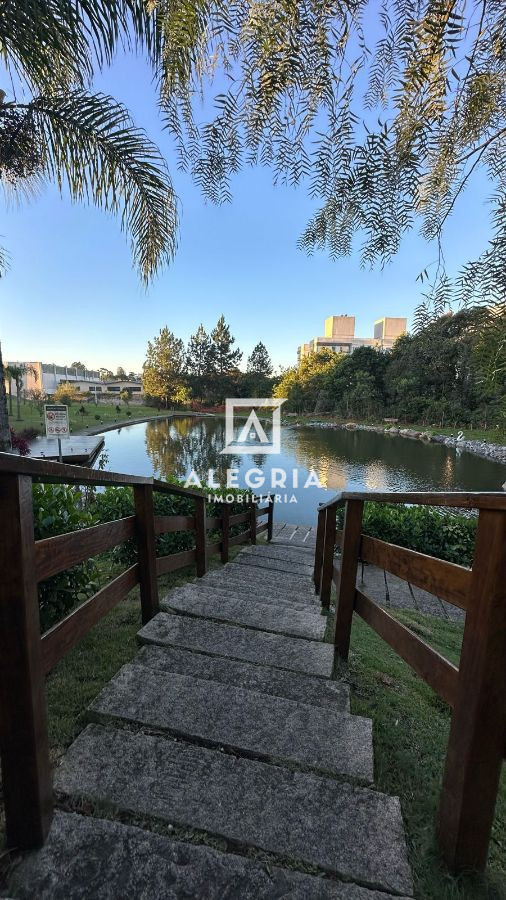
342	460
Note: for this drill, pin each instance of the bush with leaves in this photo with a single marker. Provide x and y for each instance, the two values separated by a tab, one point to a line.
57	509
117	502
444	535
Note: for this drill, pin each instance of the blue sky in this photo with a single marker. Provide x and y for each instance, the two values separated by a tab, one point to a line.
71	292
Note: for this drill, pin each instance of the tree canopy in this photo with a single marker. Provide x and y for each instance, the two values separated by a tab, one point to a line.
385	109
447	373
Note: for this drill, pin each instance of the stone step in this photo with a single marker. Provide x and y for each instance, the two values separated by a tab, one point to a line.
87	858
263	679
262	592
249	613
275	565
354	833
235	578
253	574
279	731
291	554
262	648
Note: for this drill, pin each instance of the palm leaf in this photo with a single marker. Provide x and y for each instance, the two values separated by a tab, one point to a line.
90	146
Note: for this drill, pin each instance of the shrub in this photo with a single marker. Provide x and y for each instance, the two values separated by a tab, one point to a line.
28	434
442	534
57	509
19	443
117	502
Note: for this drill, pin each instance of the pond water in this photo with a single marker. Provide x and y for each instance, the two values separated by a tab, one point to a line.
343	460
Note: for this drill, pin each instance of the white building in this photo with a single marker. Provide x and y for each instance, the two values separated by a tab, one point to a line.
47	377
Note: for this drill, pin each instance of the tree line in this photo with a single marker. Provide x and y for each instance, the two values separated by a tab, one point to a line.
451	372
204	372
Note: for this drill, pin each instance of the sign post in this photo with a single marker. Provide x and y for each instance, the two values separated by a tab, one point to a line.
56	417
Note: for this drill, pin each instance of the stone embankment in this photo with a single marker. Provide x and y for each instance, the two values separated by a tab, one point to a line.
481	448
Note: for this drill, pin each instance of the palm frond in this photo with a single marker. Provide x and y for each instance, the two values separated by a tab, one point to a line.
4	262
90	146
60	41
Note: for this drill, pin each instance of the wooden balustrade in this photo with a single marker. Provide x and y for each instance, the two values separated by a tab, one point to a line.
476	690
26	656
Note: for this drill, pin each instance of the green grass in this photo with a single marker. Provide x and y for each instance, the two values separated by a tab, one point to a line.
31	417
410	726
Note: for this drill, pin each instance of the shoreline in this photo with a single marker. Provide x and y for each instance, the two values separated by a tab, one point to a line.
485	449
101	429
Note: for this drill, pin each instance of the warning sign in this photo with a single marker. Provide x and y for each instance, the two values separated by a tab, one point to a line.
56	416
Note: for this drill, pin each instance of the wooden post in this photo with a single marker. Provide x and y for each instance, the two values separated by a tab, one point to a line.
318	555
24	748
270	517
478	729
350	550
253	522
146	550
329	543
201	535
225	527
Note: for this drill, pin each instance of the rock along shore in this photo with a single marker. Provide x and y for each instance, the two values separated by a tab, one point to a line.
487	449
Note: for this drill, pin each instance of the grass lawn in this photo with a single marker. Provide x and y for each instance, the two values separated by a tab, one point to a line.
493	435
31	417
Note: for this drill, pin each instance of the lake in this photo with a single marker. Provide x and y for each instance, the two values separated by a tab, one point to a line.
343	460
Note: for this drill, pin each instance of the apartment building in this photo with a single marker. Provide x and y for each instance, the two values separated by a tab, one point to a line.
339	335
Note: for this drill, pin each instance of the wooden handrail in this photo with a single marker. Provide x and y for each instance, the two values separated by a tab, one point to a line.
444	579
459	499
55	554
61	473
26	656
477	689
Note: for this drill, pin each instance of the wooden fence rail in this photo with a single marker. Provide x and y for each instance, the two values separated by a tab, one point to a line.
26	656
476	690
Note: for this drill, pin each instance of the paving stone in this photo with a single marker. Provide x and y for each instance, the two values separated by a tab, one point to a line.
262	648
264	679
279	619
247	722
294	535
291	554
264	593
89	858
300	591
253	574
276	565
352	832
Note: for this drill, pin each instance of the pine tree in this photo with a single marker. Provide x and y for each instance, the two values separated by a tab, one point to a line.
200	361
259	362
164	368
225	358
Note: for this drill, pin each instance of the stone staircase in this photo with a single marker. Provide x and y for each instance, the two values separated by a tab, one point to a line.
223	761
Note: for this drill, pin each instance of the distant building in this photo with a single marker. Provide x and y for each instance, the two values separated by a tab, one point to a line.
340	336
47	377
116	385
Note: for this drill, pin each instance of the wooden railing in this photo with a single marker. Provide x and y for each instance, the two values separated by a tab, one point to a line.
26	656
476	690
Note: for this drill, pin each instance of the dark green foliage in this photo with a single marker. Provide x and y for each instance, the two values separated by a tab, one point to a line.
450	373
58	509
441	534
116	502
